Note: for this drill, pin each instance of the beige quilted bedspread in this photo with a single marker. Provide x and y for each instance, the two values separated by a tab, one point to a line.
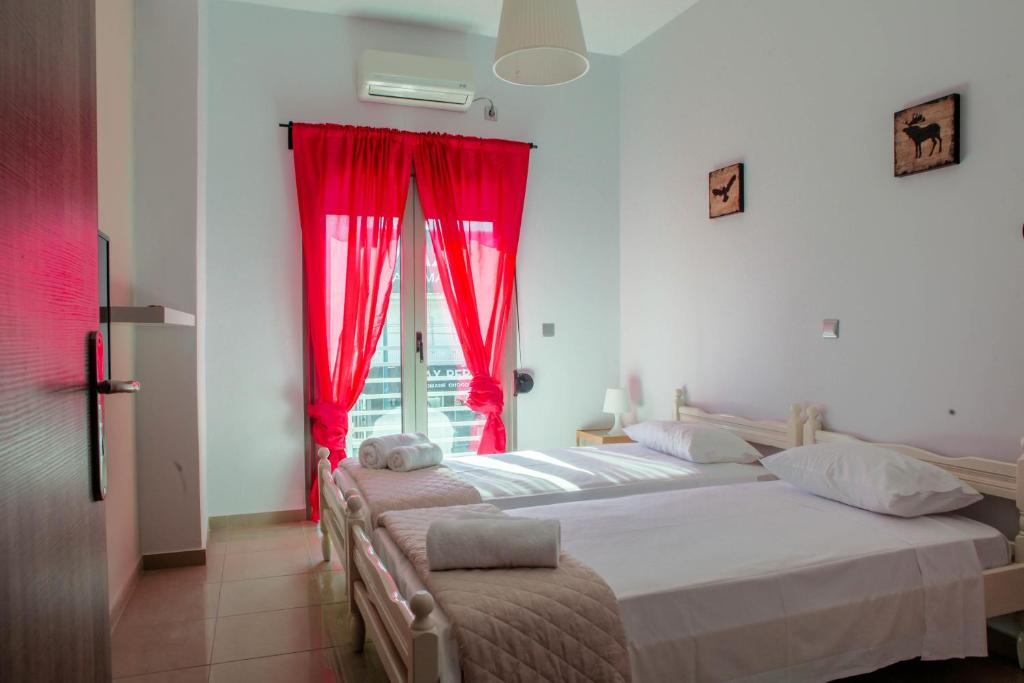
521	625
386	490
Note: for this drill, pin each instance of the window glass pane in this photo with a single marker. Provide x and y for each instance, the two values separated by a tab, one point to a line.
450	424
378	411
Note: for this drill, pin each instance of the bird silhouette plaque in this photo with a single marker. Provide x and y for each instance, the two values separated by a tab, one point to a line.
725	191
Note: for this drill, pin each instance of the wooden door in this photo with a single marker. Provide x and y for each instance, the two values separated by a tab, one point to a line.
53	587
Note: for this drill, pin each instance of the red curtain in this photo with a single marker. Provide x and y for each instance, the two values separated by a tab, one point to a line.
472	192
352	185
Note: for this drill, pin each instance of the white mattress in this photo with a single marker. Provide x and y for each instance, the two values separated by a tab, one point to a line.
763	582
528	478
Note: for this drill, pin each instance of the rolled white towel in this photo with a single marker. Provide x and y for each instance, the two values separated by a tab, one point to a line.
493	543
373	452
414	457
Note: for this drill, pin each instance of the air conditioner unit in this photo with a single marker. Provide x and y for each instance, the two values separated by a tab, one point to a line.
415	81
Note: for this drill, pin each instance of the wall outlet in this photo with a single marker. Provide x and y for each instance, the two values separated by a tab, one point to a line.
830	329
547	329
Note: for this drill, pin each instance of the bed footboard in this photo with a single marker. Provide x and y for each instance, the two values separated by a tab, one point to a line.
403	631
334	510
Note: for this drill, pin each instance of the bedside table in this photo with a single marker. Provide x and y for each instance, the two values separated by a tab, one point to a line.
598	437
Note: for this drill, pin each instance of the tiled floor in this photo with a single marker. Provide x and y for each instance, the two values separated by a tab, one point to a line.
267	609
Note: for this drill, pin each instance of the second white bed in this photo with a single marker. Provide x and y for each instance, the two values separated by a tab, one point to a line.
728	583
528	478
539	477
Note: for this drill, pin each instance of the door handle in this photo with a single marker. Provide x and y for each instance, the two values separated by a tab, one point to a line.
419	345
118	386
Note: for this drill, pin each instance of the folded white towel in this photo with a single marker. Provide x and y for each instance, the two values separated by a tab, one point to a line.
414	457
493	543
373	452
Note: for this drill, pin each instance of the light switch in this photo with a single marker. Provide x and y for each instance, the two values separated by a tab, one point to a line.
547	329
830	329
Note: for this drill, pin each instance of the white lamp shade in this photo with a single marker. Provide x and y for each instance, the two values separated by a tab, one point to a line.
540	42
616	401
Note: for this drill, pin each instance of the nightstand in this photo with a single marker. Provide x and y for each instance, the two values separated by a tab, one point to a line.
598	437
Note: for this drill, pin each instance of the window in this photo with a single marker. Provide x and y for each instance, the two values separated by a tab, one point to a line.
407	391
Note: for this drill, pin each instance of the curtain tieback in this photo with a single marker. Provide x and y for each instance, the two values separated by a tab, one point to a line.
330	426
485	395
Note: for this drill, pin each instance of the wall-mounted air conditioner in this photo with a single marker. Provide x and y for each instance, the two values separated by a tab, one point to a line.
415	81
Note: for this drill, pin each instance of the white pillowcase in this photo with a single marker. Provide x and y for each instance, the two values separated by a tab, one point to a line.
696	443
871	478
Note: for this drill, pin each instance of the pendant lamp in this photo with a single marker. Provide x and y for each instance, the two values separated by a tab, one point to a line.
540	42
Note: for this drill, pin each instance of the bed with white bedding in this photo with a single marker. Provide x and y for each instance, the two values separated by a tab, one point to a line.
813	589
522	478
525	478
756	582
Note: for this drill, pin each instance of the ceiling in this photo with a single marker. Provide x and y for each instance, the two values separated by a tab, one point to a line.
610	26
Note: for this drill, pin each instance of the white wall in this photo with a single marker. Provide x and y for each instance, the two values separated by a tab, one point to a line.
925	272
168	249
268	65
115	30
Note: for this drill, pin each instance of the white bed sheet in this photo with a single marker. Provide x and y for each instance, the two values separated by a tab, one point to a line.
527	478
763	582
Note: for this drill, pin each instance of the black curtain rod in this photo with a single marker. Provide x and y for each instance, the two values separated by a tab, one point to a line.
289	127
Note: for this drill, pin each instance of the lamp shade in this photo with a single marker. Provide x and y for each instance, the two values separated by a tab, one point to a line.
616	401
540	42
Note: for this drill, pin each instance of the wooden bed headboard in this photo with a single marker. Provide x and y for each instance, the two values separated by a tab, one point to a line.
991	477
777	433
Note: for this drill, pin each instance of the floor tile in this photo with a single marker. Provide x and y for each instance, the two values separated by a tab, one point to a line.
147	648
216	547
266	541
264	563
157	600
217	536
270	633
211	572
316	555
280	592
314	666
361	667
295	528
197	674
334	619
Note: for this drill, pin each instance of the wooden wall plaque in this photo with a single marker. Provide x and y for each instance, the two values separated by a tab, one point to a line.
725	191
927	136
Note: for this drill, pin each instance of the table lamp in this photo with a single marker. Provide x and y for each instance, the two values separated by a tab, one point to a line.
616	402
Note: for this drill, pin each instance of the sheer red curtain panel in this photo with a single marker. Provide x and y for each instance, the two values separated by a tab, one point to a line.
472	191
352	185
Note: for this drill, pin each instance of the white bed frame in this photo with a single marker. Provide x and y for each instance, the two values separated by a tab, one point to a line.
403	630
1004	586
775	433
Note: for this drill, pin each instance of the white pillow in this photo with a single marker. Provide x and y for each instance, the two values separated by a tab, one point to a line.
697	443
871	478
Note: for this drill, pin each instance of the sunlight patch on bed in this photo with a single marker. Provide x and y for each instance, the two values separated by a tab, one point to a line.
482	467
626	467
547	459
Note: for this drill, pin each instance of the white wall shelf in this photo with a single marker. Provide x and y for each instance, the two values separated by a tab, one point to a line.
151	315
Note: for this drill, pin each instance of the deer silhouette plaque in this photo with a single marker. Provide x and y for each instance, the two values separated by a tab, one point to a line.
927	136
725	191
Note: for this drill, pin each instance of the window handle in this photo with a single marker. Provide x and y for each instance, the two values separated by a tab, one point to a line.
419	345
